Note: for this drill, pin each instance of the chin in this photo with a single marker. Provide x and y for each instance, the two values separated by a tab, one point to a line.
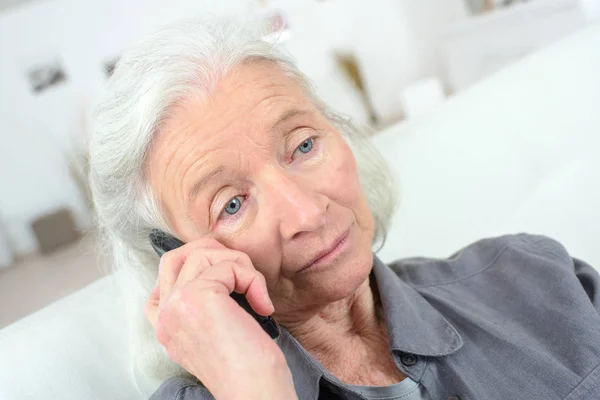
343	278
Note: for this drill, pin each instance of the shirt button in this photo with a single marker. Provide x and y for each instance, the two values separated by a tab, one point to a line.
409	359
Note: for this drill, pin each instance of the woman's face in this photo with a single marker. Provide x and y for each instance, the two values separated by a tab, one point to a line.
258	168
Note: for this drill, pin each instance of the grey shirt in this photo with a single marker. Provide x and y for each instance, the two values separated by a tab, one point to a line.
513	317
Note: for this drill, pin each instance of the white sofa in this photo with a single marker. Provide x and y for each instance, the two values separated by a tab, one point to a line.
518	152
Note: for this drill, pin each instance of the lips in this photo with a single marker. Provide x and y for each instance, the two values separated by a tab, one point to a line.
327	251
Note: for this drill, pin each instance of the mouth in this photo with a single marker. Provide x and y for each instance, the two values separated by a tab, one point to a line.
326	256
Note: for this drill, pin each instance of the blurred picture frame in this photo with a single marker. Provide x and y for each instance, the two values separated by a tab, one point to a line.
109	66
482	6
45	76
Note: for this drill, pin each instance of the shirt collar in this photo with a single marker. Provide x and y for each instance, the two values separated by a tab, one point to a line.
414	326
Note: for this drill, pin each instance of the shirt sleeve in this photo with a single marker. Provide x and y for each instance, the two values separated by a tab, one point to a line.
590	280
178	388
587	275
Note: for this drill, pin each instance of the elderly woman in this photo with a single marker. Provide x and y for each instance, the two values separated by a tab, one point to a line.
212	136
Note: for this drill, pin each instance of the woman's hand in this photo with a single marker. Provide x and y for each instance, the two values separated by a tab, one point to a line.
206	332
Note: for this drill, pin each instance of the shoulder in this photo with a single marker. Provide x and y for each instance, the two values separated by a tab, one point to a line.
179	388
521	253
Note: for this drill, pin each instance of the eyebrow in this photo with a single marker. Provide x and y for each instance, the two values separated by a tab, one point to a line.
203	181
289	115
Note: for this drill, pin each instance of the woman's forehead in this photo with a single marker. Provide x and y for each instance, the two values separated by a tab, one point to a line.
254	105
253	97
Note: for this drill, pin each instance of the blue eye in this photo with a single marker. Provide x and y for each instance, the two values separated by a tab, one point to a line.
234	205
306	146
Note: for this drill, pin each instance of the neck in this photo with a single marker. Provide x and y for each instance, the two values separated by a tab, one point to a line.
349	338
350	317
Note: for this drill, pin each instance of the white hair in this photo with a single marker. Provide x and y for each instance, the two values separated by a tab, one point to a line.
179	61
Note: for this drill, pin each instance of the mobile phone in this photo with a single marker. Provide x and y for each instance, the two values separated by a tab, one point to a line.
163	242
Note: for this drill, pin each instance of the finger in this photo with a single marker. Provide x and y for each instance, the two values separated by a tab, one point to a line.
168	270
215	256
205	242
197	262
171	263
258	296
230	276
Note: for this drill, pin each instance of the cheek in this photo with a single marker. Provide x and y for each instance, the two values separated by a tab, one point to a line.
345	189
341	181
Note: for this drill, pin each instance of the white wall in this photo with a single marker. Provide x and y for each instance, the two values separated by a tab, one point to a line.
483	45
395	41
35	131
591	9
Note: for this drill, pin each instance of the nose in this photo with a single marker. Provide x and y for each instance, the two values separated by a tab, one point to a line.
296	204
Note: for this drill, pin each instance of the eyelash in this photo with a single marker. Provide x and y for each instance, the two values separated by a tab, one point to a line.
233	217
313	143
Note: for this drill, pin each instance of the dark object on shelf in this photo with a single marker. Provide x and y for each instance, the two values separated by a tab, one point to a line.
349	66
109	66
55	230
44	77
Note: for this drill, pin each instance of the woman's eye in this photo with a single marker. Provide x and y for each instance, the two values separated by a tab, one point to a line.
234	205
306	146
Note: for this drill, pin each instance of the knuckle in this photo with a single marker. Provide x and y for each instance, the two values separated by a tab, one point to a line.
161	330
207	242
244	259
166	262
210	240
238	260
148	309
176	297
196	256
168	259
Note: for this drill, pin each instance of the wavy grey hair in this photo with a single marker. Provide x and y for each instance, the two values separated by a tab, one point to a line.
182	60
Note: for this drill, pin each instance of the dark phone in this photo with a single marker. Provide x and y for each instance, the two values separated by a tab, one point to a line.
163	242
